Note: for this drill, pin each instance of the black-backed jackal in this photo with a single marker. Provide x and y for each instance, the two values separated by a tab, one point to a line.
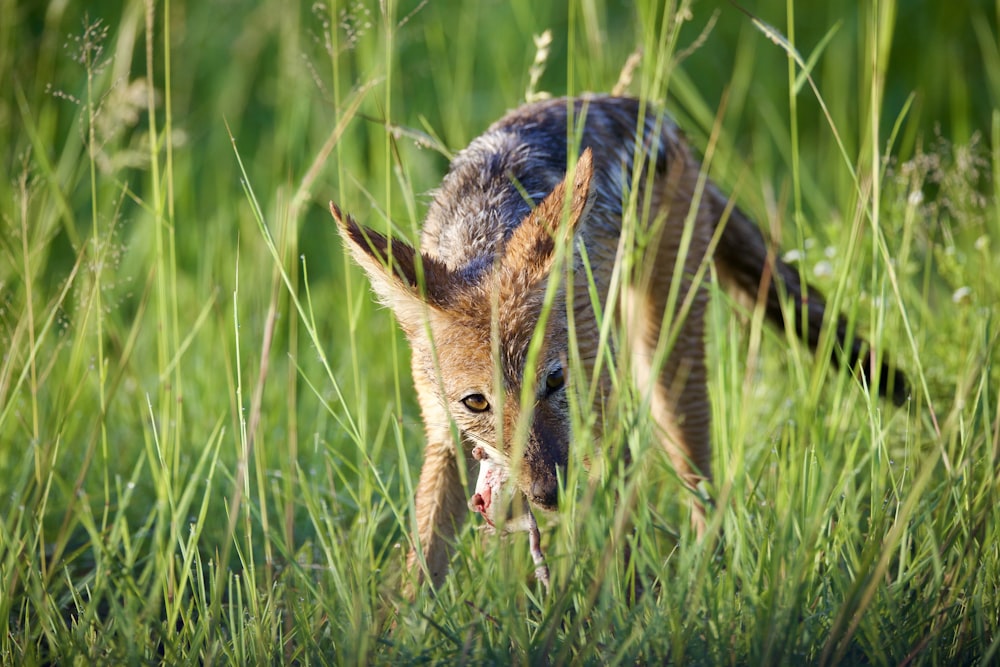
518	214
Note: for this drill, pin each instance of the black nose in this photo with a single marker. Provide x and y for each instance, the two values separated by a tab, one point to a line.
545	492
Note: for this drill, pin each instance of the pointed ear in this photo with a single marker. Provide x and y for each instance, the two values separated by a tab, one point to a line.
394	269
532	245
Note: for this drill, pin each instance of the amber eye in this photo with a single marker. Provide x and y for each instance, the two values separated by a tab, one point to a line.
476	403
555	380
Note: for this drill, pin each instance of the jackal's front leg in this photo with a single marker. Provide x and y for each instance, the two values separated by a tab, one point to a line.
441	507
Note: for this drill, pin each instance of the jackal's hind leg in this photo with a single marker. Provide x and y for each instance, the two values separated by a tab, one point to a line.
673	380
680	406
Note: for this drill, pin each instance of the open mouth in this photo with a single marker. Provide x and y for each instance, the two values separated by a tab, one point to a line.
493	477
488	500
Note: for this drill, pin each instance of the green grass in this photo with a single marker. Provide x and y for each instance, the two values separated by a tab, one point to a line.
208	437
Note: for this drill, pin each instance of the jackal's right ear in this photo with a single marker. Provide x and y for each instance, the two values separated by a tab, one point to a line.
395	269
532	245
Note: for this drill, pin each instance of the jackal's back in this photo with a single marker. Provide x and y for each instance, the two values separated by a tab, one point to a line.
494	182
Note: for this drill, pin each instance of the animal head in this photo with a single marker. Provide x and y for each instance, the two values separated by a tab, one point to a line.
471	335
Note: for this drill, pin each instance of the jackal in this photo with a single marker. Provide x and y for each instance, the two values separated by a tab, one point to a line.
519	238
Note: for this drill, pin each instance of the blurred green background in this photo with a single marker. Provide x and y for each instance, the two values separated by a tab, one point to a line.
136	287
455	66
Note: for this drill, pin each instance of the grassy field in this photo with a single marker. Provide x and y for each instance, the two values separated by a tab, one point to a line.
208	438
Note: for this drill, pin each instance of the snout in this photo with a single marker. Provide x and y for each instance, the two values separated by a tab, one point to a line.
540	476
544	492
545	458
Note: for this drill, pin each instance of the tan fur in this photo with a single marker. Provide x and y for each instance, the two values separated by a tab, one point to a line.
470	300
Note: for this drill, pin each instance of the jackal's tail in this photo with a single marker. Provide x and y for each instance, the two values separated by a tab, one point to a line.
744	263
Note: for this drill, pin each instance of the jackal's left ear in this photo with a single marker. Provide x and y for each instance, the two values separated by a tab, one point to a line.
409	283
533	243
